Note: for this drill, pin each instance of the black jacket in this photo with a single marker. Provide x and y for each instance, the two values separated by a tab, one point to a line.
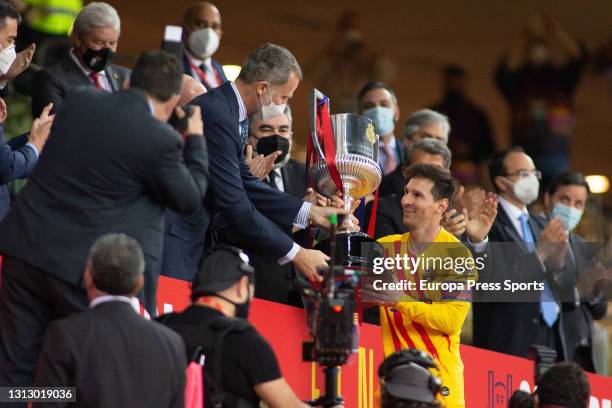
52	83
114	358
389	216
393	183
509	327
108	166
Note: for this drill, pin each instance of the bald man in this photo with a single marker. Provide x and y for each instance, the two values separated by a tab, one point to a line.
201	37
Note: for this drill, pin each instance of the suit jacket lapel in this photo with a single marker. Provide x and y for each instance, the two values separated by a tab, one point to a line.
535	228
508	227
75	71
227	90
114	78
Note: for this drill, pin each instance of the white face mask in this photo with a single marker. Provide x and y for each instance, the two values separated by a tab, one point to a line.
526	189
204	42
7	57
270	110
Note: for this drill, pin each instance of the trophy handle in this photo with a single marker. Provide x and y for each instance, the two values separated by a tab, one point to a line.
315	97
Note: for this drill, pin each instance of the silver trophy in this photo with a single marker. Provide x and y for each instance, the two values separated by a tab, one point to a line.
356	159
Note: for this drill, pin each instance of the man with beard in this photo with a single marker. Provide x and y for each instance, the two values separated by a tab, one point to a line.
248	213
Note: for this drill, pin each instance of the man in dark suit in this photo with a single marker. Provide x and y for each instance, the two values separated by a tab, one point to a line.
422	124
88	63
147	368
566	198
112	164
523	249
201	36
249	214
284	174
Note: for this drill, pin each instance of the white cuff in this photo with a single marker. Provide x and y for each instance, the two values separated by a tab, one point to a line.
301	221
478	246
36	152
290	255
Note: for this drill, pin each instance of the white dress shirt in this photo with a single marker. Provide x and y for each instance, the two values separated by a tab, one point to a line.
514	213
280	186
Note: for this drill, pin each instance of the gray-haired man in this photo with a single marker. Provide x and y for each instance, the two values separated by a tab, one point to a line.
248	213
95	37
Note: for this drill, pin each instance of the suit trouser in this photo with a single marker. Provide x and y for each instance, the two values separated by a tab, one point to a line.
148	295
29	300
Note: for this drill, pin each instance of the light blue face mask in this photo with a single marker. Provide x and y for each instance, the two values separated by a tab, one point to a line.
382	118
569	216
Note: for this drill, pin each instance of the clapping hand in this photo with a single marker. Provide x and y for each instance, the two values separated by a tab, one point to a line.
41	128
261	165
481	219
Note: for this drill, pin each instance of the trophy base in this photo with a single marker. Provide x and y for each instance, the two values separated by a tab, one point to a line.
354	250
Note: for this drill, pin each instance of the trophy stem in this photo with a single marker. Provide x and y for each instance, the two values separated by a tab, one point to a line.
349	202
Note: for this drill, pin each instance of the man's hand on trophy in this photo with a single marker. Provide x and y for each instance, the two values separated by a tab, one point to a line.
261	165
307	261
320	215
315	198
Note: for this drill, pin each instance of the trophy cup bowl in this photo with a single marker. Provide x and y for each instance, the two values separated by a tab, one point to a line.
356	157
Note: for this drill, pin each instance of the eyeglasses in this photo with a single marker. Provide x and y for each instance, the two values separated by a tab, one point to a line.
526	173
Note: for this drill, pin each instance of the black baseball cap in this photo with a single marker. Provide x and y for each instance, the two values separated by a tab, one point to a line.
411	382
221	267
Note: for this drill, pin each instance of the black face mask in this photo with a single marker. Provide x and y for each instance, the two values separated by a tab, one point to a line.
242	309
97	60
270	144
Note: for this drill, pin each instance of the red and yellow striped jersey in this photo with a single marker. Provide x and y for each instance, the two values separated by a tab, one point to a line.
429	320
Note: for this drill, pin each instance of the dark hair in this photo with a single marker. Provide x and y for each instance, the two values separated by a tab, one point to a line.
372	85
443	186
520	399
497	167
159	74
564	384
8	11
569	178
453	71
116	261
389	401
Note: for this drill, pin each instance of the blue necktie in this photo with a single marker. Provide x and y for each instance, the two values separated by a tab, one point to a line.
244	131
548	306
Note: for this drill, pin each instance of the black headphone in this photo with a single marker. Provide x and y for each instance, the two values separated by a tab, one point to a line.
433	383
243	259
410	357
406	356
